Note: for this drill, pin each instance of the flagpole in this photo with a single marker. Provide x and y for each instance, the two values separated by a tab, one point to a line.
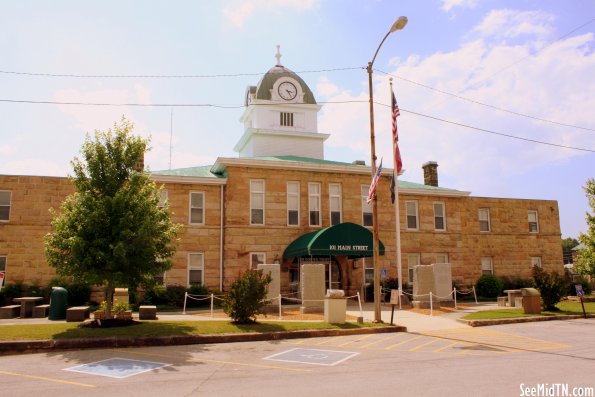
397	218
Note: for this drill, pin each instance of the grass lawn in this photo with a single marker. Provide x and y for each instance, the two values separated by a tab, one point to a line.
566	308
160	328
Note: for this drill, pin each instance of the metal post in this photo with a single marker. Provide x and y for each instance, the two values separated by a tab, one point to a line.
185	297
431	305
280	308
212	303
475	295
361	312
455	295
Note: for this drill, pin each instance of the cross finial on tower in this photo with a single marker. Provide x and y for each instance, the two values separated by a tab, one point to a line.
278	56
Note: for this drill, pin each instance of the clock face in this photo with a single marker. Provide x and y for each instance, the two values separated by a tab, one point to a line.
287	90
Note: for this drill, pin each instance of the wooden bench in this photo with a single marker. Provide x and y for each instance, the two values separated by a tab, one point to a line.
147	313
77	313
41	311
11	311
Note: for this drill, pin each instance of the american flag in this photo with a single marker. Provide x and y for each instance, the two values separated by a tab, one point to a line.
372	190
396	114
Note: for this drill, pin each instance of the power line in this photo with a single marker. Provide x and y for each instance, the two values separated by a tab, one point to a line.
486	104
165	76
493	132
327	102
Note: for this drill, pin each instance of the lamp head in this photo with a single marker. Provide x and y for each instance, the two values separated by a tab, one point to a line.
399	24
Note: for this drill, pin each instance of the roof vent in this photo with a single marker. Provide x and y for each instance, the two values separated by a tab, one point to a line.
359	162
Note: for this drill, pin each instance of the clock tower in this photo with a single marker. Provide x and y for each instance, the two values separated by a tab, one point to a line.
281	117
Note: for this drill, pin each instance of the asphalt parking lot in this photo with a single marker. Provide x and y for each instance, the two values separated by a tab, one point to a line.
491	361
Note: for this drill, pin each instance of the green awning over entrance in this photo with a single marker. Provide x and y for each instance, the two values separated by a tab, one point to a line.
346	238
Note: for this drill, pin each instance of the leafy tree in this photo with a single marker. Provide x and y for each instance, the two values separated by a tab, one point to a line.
551	286
112	231
586	256
246	296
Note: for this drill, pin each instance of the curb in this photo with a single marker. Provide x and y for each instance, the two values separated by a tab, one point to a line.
42	346
500	321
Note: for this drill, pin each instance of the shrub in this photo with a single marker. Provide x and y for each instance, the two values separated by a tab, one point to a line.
489	286
516	282
552	287
79	293
201	291
172	295
587	289
13	290
245	298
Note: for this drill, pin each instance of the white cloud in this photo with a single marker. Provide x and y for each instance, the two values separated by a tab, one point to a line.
36	166
509	23
241	10
7	150
448	5
325	88
533	86
91	118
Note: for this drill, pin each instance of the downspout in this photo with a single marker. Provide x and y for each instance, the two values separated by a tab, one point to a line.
221	243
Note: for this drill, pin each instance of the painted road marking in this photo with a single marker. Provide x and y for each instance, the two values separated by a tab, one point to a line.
206	360
117	367
380	340
312	356
403	342
423	345
46	379
356	340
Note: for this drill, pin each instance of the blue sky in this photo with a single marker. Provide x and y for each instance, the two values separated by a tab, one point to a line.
530	57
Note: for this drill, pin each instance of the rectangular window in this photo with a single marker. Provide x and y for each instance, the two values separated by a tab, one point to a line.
162	198
411	207
293	203
487	265
533	222
5	197
366	208
439	216
196	268
314	203
2	271
286	119
536	261
160	279
441	258
197	208
334	192
484	220
412	261
257	202
257	258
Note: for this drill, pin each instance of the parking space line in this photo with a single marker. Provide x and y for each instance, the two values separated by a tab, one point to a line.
423	345
46	379
403	342
324	342
451	344
355	340
217	361
381	340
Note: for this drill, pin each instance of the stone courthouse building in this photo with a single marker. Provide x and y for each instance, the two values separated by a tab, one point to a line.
281	201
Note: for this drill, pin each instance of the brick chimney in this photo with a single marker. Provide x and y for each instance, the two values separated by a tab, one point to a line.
430	173
140	164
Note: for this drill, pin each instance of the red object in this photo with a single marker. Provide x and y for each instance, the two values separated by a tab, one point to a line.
396	113
372	190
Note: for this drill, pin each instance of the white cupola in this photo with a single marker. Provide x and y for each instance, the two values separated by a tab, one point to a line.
281	117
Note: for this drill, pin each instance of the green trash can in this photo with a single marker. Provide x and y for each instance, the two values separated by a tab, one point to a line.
58	304
531	300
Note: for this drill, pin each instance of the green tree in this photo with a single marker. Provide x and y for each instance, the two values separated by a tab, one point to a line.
246	296
586	256
112	231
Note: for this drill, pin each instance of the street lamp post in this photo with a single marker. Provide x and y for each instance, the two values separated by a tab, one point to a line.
398	25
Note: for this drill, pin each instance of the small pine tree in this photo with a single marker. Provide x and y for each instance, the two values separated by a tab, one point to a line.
246	297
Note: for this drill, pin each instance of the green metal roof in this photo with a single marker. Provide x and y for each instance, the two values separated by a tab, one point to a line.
265	85
298	159
199	172
346	238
